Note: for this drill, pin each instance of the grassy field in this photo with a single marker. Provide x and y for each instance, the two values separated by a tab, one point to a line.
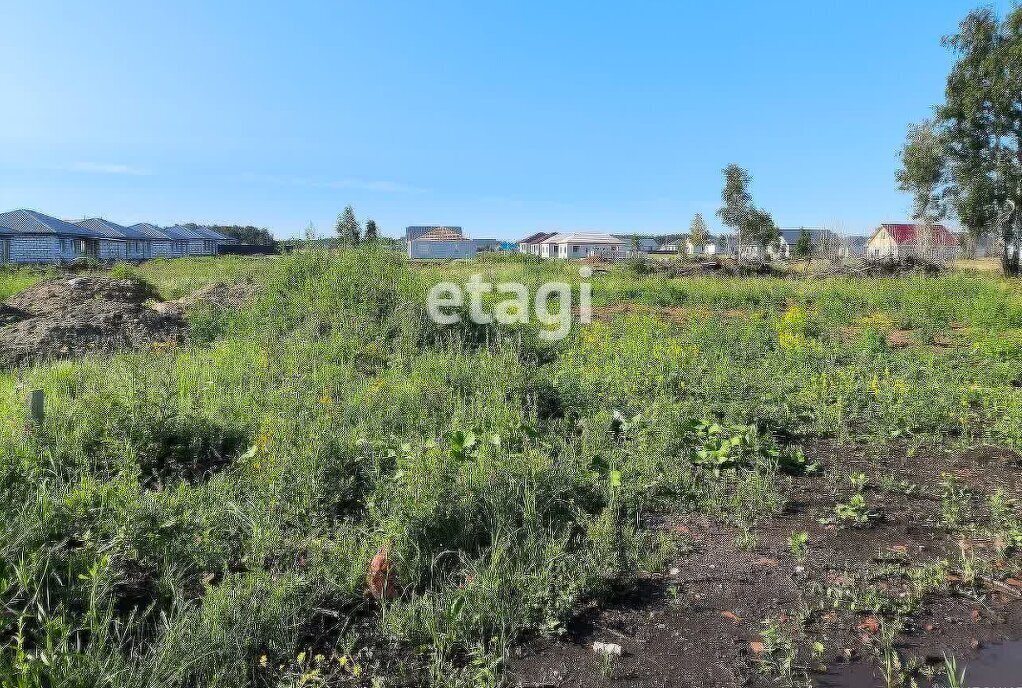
206	514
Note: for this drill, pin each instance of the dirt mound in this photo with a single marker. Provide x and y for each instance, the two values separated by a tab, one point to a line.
220	295
68	295
75	316
80	315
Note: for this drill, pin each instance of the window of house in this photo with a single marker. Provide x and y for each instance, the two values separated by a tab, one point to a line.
574	249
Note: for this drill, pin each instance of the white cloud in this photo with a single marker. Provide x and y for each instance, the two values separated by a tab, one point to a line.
107	168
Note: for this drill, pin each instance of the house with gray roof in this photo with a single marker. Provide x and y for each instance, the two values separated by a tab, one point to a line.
184	242
121	243
160	243
218	238
37	238
824	242
28	236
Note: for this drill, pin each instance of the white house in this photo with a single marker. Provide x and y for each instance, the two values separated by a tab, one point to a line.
672	246
583	245
633	242
530	245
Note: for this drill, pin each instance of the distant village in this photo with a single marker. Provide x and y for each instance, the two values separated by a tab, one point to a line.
27	236
889	240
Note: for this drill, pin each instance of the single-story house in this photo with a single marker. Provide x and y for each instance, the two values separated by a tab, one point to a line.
160	243
644	244
530	244
674	243
707	249
184	242
583	245
824	243
125	243
33	237
199	243
416	231
27	236
447	243
902	240
219	239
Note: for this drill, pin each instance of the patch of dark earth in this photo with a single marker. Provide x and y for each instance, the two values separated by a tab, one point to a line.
71	317
701	622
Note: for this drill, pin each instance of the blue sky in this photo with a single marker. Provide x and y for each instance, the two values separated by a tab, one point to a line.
505	118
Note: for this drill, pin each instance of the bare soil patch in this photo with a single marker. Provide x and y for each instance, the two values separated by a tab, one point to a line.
80	315
219	295
699	622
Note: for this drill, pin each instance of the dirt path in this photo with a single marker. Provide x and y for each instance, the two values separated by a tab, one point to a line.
730	614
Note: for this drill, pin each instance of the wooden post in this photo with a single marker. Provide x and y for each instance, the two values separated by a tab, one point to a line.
37	405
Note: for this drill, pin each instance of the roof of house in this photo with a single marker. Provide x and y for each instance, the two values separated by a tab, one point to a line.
209	233
110	230
31	222
150	231
536	238
418	231
583	238
634	237
906	233
220	235
791	236
180	232
441	234
205	232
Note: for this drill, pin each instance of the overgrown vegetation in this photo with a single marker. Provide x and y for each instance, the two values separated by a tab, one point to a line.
206	514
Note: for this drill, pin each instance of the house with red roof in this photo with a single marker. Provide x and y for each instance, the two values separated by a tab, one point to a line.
904	239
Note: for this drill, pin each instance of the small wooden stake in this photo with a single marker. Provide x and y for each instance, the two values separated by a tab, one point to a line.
37	404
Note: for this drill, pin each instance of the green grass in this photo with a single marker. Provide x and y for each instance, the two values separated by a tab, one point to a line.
13	280
206	515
